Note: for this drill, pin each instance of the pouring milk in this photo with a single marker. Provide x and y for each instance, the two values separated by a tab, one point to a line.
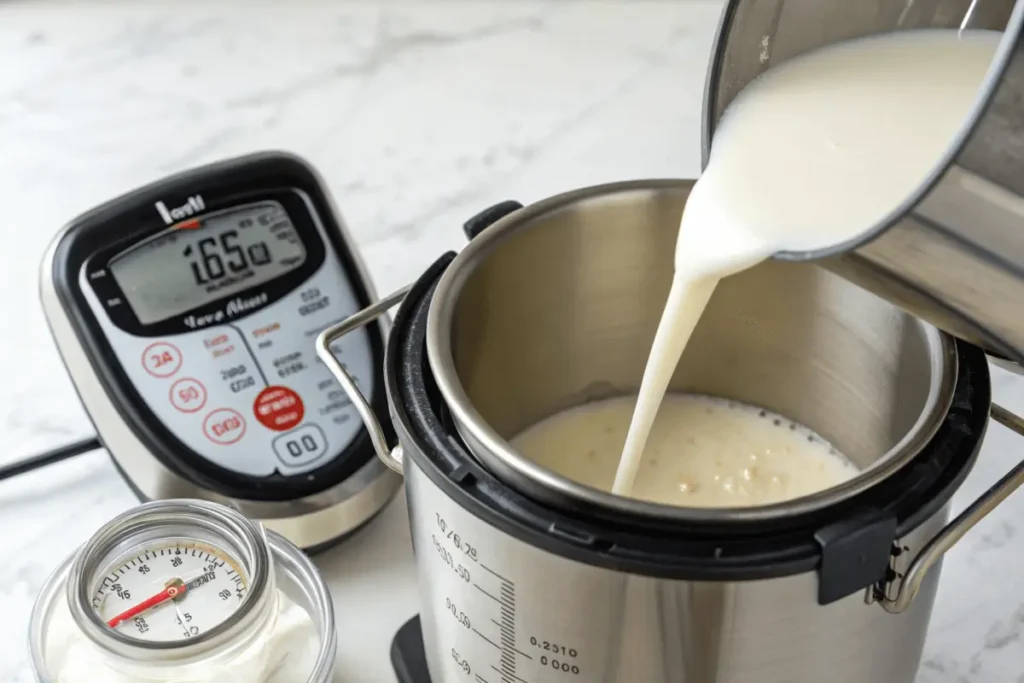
810	155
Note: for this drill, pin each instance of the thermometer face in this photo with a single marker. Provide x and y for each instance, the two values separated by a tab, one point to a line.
169	590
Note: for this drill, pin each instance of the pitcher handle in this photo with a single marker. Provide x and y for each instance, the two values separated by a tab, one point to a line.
389	455
954	531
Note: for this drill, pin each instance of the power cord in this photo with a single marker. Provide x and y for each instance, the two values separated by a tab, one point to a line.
65	452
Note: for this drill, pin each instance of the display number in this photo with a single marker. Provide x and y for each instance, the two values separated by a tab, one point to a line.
217	257
161	359
460	616
188	394
461	662
240	384
297	447
562	666
186	630
565	654
460	543
231	372
460	570
550	646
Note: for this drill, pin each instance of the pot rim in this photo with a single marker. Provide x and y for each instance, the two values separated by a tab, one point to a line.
526	476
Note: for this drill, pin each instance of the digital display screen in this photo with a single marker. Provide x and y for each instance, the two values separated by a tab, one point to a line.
184	268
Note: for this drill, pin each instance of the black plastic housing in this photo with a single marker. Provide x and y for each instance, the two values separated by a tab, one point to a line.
111	227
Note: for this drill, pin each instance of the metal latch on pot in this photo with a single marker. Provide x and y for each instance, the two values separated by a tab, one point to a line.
905	576
389	455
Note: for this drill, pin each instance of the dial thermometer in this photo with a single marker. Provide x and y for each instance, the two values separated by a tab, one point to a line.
186	313
140	588
176	590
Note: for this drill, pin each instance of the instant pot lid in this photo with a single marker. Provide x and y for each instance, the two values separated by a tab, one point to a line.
837	537
490	230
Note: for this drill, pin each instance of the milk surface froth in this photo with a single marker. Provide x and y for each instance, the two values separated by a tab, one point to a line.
702	452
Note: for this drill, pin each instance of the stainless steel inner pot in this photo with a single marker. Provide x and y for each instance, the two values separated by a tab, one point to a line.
557	304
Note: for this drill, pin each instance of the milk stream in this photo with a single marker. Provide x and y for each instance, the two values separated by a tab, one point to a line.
810	155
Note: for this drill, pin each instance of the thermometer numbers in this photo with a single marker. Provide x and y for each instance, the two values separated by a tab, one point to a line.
170	592
205	260
211	258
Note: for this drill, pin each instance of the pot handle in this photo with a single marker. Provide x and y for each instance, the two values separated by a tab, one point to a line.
389	455
954	531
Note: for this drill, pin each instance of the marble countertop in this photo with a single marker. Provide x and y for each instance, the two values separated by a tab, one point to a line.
418	114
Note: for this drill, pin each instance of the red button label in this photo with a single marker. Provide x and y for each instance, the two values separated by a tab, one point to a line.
224	426
188	395
161	359
278	408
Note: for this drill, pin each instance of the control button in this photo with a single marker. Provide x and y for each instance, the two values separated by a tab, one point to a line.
224	426
301	446
188	395
278	408
161	359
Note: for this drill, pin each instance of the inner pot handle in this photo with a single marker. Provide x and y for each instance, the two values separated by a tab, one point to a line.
954	531
389	455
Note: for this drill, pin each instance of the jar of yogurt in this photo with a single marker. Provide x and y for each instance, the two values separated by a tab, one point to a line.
186	591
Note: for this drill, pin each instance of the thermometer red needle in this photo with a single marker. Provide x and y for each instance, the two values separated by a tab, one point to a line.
177	587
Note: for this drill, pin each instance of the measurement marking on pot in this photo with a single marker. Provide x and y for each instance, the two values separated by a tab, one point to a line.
517	651
450	545
477	586
507	629
488	569
487	639
506	624
461	545
446	556
509	678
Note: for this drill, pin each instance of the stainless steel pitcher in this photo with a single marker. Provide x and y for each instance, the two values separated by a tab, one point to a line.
954	255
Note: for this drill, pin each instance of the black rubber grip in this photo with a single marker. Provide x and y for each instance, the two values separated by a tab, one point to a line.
407	654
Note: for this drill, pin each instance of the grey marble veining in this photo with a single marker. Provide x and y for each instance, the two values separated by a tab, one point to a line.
419	114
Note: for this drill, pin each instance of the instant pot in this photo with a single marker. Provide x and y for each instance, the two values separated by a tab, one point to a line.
527	576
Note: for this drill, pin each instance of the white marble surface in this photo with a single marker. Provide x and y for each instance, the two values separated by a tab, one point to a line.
419	114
